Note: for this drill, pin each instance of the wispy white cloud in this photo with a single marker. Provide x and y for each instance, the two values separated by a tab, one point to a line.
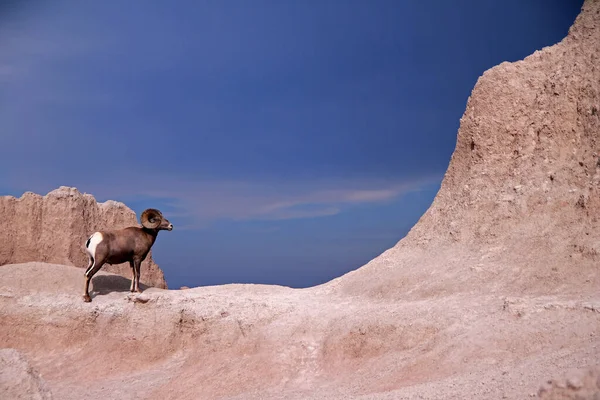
201	201
44	103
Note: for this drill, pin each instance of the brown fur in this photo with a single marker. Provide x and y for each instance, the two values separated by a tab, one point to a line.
131	244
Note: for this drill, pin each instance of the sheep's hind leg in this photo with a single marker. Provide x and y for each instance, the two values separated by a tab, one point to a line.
86	295
89	274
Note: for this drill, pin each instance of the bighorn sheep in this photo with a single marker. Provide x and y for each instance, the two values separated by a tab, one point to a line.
128	244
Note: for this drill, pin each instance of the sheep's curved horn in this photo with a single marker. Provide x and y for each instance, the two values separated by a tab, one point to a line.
151	218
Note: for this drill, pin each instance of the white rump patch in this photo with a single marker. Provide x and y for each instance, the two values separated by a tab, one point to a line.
95	239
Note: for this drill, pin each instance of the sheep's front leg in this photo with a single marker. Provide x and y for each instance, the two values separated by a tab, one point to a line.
137	264
131	288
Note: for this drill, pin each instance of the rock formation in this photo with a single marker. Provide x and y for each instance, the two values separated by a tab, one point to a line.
53	228
522	187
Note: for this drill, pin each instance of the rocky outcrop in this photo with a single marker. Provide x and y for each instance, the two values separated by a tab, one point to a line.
528	147
53	229
518	206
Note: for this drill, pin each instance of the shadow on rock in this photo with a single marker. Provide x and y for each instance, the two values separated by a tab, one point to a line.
105	284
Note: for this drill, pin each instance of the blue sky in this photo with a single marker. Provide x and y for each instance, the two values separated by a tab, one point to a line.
288	141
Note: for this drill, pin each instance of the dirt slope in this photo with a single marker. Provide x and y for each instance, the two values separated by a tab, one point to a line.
53	228
493	293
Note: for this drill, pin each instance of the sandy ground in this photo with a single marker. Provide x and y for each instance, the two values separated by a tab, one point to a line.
269	342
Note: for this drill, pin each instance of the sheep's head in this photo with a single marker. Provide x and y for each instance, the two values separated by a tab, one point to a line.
153	219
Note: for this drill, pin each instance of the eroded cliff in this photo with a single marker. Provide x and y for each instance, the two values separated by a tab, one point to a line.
53	229
518	206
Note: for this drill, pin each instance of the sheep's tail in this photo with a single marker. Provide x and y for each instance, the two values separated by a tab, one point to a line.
90	247
93	242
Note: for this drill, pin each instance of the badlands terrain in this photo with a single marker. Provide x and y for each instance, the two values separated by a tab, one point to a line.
494	293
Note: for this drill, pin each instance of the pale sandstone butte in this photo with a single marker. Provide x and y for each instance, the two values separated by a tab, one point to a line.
522	186
53	229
